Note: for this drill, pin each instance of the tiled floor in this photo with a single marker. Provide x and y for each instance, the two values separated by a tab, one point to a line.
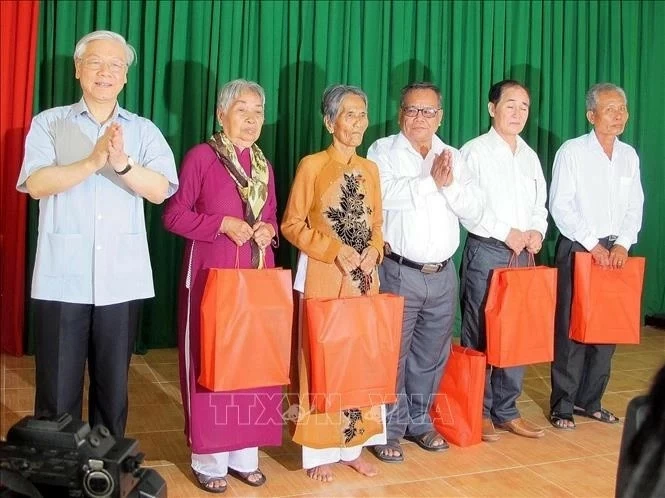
564	463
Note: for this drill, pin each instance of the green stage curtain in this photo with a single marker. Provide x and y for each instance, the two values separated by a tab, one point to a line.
187	49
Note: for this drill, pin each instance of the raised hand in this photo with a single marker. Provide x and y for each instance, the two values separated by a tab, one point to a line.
442	169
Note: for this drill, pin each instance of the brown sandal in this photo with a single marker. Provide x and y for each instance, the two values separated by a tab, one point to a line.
426	441
245	477
207	483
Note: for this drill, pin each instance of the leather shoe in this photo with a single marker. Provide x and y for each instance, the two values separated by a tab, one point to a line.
521	427
489	434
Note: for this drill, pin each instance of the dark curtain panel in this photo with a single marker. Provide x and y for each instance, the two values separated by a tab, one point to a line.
186	50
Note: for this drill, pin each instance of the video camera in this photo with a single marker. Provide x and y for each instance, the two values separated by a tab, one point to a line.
63	457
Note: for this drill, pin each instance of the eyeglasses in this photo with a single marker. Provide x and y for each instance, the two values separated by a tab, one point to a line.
428	112
114	66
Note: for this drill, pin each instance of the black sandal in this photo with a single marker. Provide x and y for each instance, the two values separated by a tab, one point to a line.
606	416
557	420
426	441
207	483
379	451
244	477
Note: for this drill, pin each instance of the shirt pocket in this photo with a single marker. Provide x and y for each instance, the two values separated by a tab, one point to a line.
625	184
63	255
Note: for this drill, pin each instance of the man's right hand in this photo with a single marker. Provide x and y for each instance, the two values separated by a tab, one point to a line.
100	154
516	240
600	255
442	169
236	229
347	259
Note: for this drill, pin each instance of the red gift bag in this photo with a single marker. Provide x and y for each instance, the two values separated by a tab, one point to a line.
457	410
246	317
606	301
519	316
354	350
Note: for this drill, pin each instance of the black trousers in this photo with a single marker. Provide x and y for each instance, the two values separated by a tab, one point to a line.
579	372
68	334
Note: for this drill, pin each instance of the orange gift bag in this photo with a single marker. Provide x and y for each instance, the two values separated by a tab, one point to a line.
246	317
606	301
519	316
457	410
354	350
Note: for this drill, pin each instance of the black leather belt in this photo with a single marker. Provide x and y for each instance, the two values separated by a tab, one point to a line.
423	267
488	240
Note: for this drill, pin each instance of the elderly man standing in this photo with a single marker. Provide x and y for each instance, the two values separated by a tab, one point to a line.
596	202
425	191
91	164
508	173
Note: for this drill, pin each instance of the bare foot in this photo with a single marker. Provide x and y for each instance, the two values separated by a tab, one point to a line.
323	473
362	466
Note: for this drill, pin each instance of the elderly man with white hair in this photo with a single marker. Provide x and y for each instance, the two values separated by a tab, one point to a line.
91	164
596	202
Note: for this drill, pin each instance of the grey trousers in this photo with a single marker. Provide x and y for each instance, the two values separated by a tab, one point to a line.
580	372
502	385
427	329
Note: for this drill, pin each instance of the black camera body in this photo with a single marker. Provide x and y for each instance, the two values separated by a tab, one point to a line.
63	457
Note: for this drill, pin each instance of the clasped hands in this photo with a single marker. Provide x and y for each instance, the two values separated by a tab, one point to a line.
615	257
531	240
348	259
110	148
442	169
240	232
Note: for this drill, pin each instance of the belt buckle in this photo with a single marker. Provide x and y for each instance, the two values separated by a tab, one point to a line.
431	268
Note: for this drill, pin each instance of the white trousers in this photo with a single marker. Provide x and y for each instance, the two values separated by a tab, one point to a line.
217	464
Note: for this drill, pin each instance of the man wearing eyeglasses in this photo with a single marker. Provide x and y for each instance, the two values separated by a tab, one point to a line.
91	164
425	192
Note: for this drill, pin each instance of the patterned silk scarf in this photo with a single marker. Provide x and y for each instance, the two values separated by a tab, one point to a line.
253	191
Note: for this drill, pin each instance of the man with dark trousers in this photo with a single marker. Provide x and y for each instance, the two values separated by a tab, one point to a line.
508	175
596	202
91	164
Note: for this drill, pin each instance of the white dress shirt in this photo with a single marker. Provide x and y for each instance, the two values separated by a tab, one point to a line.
593	196
420	221
512	185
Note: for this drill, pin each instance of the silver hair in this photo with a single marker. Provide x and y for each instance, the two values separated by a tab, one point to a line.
82	45
597	89
233	89
332	100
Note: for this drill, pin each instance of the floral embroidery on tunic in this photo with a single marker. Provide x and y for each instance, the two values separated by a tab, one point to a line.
354	415
349	221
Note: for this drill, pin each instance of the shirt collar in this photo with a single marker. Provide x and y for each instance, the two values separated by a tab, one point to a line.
592	141
81	107
401	142
498	140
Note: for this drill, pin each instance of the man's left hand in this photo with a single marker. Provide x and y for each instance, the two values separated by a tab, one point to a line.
117	157
618	256
534	241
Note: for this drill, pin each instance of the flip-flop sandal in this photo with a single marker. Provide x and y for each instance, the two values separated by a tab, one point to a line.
557	420
244	477
206	483
426	441
379	451
606	416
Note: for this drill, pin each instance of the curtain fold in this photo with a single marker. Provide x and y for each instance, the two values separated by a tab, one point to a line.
18	41
294	49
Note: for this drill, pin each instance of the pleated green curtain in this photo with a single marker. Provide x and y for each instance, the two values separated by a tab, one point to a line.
294	49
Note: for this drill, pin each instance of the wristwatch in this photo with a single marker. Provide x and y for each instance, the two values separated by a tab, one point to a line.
130	164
